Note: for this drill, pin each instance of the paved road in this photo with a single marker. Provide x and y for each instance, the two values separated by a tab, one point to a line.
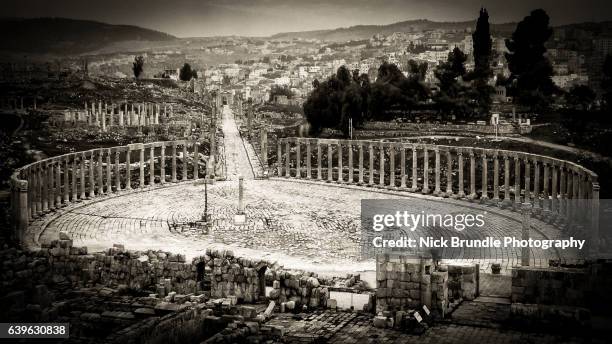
236	157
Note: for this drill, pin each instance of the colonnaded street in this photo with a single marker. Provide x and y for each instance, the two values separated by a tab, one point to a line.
301	224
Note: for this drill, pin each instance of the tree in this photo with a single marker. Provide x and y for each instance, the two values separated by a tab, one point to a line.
186	73
580	97
530	69
138	66
453	97
482	44
278	90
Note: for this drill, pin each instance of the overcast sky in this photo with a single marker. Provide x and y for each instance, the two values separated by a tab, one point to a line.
186	18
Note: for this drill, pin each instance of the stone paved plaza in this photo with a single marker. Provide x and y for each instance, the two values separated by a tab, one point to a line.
301	224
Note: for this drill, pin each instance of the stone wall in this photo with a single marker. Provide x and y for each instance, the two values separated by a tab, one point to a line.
402	283
550	286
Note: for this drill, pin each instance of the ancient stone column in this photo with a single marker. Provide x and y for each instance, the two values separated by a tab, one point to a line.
279	158
360	163
562	192
554	206
495	177
536	184
20	194
109	172
162	164
128	168
156	121
104	117
298	158
100	174
449	173
403	166
507	200
517	182
263	134
92	182
381	176
196	161
525	251
330	163
371	165
415	171
319	171
594	221
82	175
58	183
240	195
425	170
174	180
45	186
485	173
152	165
461	193
472	175
392	165
39	189
527	181
288	159
141	165
350	162
437	190
545	182
340	168
112	114
66	180
117	171
121	123
308	160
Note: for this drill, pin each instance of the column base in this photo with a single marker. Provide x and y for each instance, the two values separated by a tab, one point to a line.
425	191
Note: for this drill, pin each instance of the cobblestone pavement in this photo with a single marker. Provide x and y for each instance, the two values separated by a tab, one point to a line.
303	225
353	328
236	156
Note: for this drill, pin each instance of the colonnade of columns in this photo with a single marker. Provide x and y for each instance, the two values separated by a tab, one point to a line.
123	114
55	182
559	191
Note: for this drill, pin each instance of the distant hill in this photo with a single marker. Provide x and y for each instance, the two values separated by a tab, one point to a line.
68	36
366	31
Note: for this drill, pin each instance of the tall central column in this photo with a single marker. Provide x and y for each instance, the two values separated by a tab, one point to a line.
449	173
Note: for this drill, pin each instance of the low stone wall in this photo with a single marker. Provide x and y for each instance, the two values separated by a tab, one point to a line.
402	283
550	286
463	281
